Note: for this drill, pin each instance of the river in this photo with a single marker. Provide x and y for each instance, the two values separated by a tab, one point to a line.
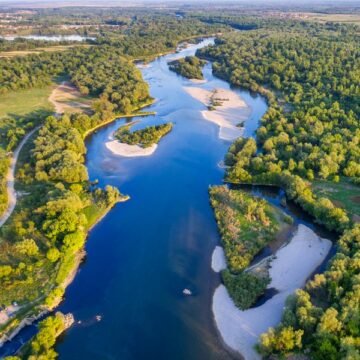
128	298
48	37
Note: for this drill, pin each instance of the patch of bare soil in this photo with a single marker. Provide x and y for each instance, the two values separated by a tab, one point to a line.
67	98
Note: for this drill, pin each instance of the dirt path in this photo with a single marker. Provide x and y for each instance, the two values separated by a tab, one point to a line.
59	98
10	179
65	98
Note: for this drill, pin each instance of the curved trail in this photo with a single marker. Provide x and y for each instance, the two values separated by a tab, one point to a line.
10	179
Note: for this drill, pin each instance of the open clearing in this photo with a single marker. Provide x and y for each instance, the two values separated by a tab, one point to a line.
23	102
343	194
67	98
11	54
343	18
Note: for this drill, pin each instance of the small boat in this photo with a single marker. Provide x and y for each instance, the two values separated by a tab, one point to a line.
187	292
98	317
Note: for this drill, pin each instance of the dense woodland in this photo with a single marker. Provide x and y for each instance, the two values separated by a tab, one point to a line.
189	67
316	134
310	131
143	137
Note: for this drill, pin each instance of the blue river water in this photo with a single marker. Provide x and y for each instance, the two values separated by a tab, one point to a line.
127	298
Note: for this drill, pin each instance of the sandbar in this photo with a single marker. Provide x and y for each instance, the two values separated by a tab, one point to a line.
289	270
126	150
231	112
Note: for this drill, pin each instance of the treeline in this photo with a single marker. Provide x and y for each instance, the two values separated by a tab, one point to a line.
317	132
23	44
143	137
246	224
103	72
189	67
150	35
29	71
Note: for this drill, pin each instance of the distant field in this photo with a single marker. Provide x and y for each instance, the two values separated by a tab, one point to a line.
344	18
343	194
25	101
10	54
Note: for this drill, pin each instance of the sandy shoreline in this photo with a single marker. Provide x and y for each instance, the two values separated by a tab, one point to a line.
289	270
126	150
218	260
198	81
231	112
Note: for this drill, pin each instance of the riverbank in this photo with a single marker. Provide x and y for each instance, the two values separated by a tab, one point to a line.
225	109
37	311
289	269
126	150
123	116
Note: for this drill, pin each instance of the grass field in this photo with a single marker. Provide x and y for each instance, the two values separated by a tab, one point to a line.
25	101
342	18
343	194
10	54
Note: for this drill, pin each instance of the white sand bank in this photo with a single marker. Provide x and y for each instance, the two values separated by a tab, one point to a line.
143	66
218	261
293	264
232	111
198	81
126	150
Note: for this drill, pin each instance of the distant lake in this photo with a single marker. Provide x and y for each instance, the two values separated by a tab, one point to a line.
50	37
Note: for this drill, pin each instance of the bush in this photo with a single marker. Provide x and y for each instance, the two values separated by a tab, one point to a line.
244	288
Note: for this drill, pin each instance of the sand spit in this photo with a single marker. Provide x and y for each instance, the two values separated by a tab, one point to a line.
289	270
230	112
198	81
218	261
126	150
